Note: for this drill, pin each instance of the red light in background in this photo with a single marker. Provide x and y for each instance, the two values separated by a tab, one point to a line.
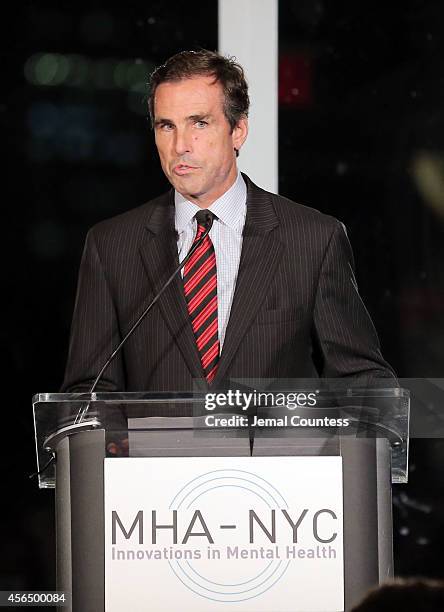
295	80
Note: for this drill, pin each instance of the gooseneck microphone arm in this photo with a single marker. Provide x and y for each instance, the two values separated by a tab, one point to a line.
83	412
208	224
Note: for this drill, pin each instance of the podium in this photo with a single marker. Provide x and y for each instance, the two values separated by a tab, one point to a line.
164	502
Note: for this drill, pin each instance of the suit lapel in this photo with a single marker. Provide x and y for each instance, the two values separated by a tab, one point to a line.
160	259
261	253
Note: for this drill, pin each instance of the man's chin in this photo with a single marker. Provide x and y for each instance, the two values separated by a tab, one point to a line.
188	188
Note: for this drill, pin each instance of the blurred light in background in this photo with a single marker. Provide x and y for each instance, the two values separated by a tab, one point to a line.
47	69
428	172
79	71
81	133
295	80
102	74
73	70
86	131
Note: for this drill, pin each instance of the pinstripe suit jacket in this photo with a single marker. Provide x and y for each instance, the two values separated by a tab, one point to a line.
296	311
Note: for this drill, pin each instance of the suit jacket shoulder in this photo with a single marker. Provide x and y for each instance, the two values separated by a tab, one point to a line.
294	212
298	225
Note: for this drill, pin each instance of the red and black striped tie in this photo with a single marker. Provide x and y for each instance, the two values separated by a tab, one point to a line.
200	286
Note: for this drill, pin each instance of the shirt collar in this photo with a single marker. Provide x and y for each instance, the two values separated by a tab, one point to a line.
230	208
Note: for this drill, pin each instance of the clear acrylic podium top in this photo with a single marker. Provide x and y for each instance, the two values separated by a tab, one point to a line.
225	423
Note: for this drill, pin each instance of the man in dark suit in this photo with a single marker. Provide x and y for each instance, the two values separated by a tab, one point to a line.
271	293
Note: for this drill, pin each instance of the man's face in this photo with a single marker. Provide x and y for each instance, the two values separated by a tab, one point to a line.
194	139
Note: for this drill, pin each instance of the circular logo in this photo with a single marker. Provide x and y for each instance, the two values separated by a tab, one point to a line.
238	569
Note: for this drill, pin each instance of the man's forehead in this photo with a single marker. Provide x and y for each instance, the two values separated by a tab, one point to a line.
189	97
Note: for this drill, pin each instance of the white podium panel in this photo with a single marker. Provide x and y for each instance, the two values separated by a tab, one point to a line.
197	534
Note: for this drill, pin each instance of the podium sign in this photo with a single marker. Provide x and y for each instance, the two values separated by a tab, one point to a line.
224	533
240	518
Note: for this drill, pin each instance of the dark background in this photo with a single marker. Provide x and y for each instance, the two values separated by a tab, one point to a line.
361	135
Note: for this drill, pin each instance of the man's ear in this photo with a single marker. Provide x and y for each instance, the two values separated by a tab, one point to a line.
240	133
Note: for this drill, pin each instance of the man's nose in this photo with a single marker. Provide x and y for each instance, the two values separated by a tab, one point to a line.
183	142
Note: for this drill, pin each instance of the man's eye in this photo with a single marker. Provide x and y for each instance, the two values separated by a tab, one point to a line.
201	124
166	127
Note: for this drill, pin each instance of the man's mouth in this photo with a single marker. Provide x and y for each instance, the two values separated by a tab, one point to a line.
182	169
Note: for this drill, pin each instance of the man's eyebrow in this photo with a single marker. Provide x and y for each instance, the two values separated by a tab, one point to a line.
200	117
193	118
162	121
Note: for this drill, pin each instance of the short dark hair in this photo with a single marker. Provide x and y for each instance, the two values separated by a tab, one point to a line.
226	71
409	595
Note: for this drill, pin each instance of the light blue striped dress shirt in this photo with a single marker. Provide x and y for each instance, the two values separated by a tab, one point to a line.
226	235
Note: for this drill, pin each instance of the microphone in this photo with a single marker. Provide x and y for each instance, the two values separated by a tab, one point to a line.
206	219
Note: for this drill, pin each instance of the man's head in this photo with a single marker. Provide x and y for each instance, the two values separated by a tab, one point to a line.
198	105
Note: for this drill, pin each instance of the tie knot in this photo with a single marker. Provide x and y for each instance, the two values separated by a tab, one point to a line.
205	218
